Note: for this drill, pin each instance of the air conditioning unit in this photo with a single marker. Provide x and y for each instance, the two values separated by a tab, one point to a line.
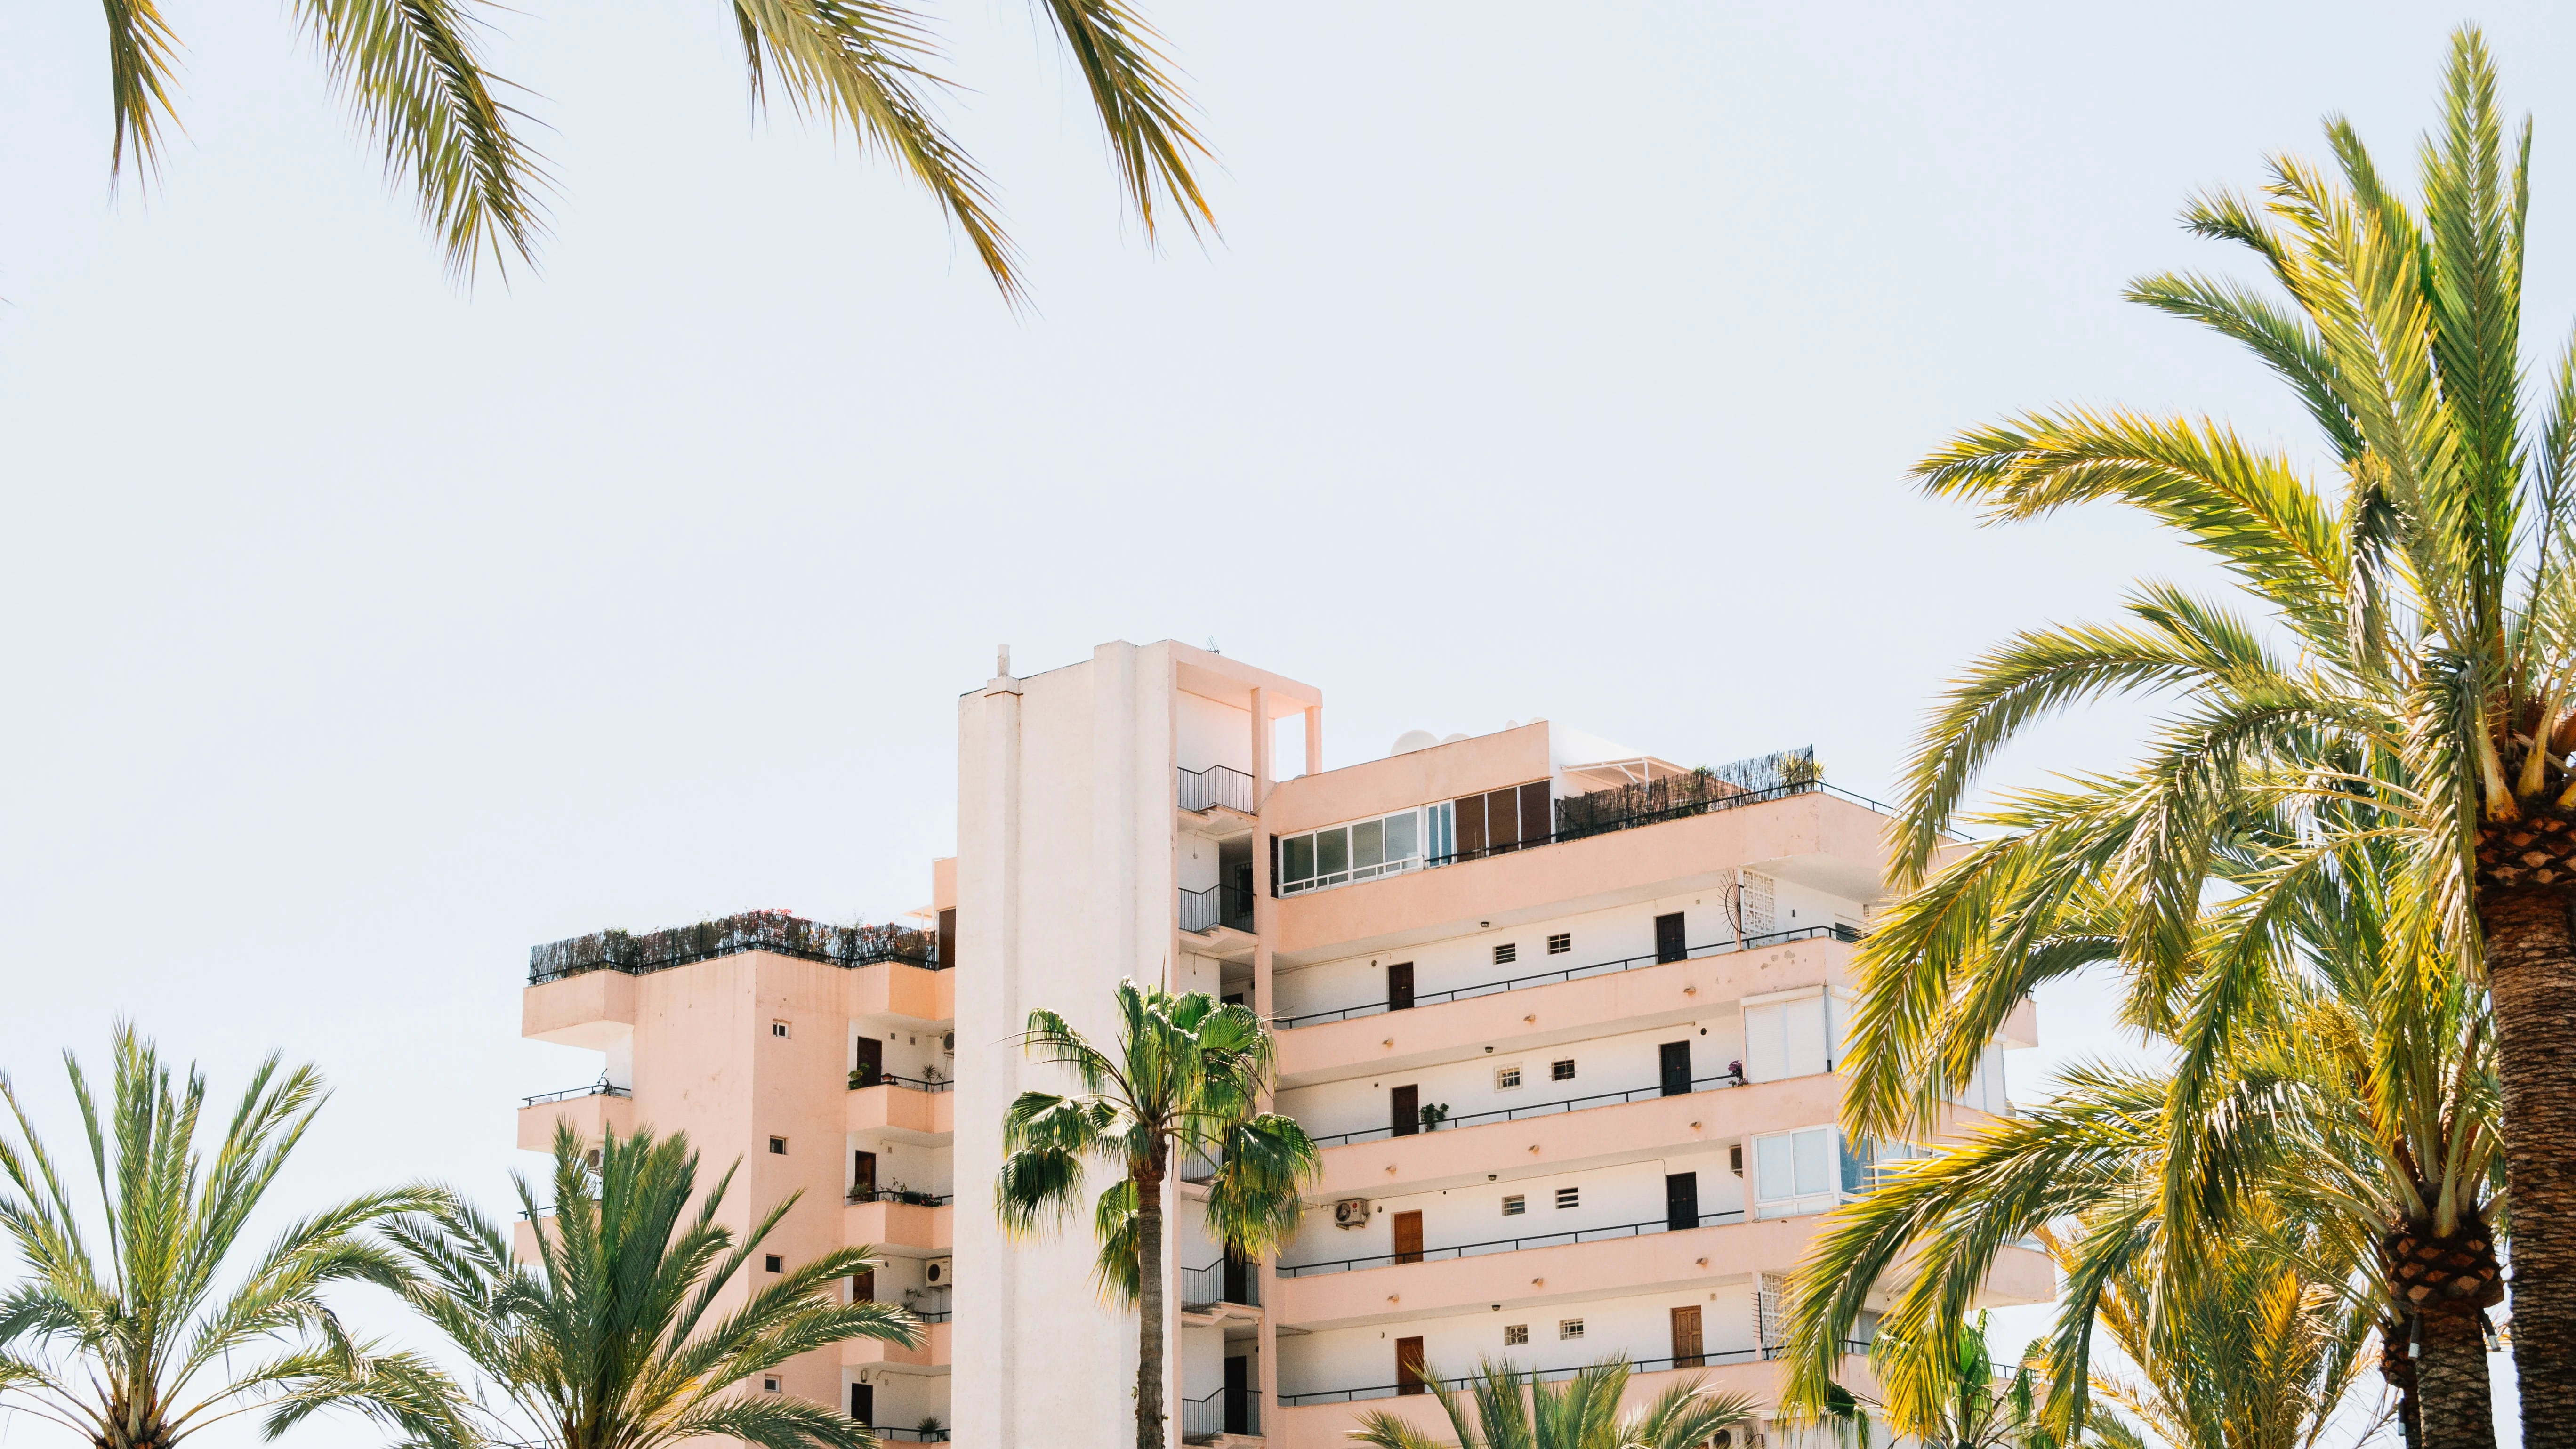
939	1272
1351	1212
948	1043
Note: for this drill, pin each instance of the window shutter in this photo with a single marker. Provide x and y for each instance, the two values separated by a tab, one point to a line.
1503	819
1535	825
1766	1035
1471	827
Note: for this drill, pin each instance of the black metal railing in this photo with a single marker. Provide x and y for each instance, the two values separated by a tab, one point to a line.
1708	1359
861	1078
774	931
1223	1281
1218	905
859	1195
1536	1109
1214	786
1837	932
595	1089
942	1316
1227	1411
911	1436
1505	1245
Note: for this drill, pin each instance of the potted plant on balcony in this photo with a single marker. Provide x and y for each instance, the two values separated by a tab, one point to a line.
1433	1114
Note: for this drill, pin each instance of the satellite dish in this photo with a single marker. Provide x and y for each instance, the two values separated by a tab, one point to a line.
1452	739
1411	740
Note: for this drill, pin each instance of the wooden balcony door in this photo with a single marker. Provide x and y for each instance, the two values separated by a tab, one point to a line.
1404	1110
1408	1237
863	1173
871	1061
1399	986
1408	1366
1670	944
1686	1341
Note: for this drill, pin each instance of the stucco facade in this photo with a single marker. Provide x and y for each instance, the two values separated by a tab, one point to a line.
1571	1070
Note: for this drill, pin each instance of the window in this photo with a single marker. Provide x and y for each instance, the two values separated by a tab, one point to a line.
1515	1334
1567	1197
778	1028
769	1383
1569	1328
1515	1205
774	1263
1793	1173
1365	850
778	1147
1561	1071
1506	953
1794	1038
1560	943
1507	1079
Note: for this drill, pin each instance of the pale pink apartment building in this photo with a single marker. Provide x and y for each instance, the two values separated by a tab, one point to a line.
1563	1017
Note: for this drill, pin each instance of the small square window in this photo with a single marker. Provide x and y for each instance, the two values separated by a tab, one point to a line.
1567	1197
1515	1205
769	1383
774	1263
1560	943
1506	953
1515	1334
778	1147
778	1028
1561	1071
1507	1079
1569	1328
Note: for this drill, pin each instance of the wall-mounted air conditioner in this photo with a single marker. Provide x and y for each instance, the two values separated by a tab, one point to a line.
1351	1212
938	1272
948	1043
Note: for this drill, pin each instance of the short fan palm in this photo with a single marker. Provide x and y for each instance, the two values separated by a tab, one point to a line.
1507	1408
166	1323
632	1330
1184	1083
414	73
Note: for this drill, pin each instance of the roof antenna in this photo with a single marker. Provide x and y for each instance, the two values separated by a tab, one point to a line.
1212	649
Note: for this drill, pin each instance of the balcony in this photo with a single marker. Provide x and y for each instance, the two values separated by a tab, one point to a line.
906	1229
934	1352
1325	1419
1559	1006
1225	1414
1536	1109
1219	907
592	1112
1381	1165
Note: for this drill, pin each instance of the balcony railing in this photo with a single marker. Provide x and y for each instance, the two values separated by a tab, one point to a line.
911	1436
1537	1109
568	1094
1223	1281
1214	786
1837	932
859	1195
861	1079
1227	1411
1709	1359
773	931
1504	1245
1219	905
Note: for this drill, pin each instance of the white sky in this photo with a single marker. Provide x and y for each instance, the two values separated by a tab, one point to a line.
358	631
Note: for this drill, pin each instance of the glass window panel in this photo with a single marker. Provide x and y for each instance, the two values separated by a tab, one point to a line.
1400	833
1368	843
1772	1163
1332	851
1815	1160
1856	1173
1301	858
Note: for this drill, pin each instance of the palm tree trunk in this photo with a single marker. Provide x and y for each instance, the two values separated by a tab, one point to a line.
2531	979
2397	1366
2451	1382
1149	1304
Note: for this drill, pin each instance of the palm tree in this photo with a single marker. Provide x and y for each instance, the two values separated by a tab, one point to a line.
1185	1083
2428	607
1517	1410
414	74
131	1341
617	1337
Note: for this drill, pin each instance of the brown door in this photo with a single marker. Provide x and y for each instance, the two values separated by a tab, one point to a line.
1408	1237
1404	1110
1503	820
1471	827
1536	827
947	939
863	1287
1686	1351
863	1174
871	1061
1399	986
1408	1365
1669	940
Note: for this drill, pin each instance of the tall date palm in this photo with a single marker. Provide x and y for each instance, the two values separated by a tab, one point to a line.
2426	612
414	75
153	1320
1185	1082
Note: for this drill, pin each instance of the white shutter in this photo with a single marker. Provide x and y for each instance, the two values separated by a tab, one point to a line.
1804	1052
1766	1036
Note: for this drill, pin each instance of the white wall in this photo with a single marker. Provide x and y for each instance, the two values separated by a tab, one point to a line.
1624	1062
1624	1193
1210	733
